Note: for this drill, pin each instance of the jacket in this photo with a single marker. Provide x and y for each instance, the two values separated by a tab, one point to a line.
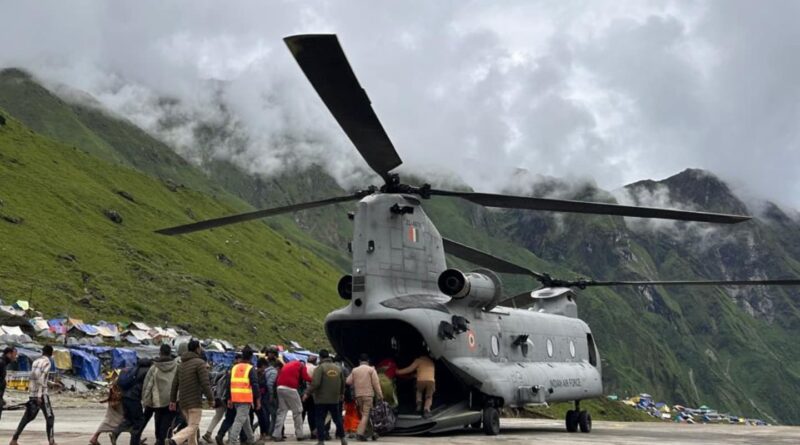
158	383
270	378
252	377
191	382
3	368
426	370
365	381
132	388
327	383
291	373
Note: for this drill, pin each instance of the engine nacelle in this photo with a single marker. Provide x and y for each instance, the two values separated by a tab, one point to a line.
345	287
478	289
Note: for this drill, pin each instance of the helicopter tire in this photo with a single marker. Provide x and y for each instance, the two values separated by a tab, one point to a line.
585	421
572	421
476	425
491	421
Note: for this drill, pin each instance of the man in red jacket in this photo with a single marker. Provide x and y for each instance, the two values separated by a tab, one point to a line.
288	382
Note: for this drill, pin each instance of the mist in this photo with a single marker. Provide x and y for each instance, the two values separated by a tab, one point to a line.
608	92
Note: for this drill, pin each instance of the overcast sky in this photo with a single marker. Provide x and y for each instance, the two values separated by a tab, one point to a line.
615	91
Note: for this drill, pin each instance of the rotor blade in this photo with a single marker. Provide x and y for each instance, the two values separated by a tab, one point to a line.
323	61
562	205
486	260
781	282
242	217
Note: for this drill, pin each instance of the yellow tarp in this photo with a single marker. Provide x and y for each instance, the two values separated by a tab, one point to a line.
63	359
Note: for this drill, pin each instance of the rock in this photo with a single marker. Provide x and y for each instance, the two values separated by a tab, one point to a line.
172	186
297	296
113	215
126	195
269	298
222	258
12	219
67	257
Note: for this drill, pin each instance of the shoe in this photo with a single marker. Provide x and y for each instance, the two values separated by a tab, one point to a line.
113	437
207	437
375	437
361	438
320	442
219	440
343	441
426	414
278	439
13	442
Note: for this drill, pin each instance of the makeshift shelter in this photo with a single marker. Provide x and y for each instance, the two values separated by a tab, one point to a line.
13	311
136	336
218	358
290	357
140	326
123	358
85	365
11	330
58	326
62	359
22	305
39	324
25	357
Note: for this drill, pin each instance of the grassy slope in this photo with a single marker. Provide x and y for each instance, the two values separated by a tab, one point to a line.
272	291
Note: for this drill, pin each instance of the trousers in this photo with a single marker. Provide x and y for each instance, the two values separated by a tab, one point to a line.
32	409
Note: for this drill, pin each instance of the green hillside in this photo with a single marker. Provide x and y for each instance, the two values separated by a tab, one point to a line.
59	250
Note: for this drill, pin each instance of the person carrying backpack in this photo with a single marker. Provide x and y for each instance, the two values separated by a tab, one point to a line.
327	388
156	392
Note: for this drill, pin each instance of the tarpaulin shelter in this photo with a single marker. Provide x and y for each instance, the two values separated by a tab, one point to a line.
25	357
11	330
12	310
63	359
221	358
85	365
290	357
137	336
39	323
22	305
58	326
82	329
123	358
140	326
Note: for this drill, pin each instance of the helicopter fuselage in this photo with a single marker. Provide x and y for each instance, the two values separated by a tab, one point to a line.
484	355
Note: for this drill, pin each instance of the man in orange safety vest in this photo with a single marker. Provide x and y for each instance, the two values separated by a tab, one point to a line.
244	395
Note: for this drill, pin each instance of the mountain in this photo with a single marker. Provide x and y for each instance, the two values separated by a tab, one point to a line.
731	348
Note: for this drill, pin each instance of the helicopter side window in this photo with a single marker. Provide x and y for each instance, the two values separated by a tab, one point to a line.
549	348
592	350
495	345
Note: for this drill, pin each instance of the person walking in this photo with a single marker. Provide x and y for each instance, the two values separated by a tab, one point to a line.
263	388
131	382
190	384
327	389
38	398
426	382
9	356
220	389
367	387
271	376
157	390
288	382
244	394
113	417
308	402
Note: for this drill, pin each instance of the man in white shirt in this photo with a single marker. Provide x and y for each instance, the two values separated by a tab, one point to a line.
39	400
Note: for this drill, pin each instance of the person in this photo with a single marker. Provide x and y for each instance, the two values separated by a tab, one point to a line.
272	388
366	386
244	394
308	402
288	382
9	356
426	382
220	383
131	382
327	390
157	389
38	398
263	413
113	417
190	384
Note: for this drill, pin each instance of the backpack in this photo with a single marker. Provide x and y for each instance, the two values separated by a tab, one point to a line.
383	417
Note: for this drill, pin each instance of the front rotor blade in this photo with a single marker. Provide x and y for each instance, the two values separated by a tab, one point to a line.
323	61
242	217
486	260
562	205
781	282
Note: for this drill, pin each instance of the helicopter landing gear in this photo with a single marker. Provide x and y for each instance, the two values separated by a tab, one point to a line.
491	421
577	419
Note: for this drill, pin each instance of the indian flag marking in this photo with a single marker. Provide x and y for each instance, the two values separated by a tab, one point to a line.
412	234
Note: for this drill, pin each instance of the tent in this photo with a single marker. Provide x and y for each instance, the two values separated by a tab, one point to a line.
85	365
11	330
137	336
221	358
12	310
123	358
22	305
40	324
83	329
25	357
62	359
140	326
58	326
290	357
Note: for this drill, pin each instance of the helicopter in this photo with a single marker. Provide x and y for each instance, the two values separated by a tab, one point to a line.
491	351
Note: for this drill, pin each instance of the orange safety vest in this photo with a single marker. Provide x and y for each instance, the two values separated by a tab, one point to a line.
241	389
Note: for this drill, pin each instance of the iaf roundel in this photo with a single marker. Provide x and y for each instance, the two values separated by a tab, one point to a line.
471	340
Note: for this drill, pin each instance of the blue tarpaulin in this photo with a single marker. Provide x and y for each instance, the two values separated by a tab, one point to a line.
221	358
123	358
290	357
96	350
85	365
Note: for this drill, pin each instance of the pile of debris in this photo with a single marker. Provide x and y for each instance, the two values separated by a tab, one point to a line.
679	413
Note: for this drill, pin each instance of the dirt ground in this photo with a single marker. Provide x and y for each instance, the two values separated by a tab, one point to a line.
77	418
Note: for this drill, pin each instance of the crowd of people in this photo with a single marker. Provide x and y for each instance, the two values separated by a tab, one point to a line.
323	392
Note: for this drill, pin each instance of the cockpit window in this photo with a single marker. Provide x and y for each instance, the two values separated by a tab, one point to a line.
592	350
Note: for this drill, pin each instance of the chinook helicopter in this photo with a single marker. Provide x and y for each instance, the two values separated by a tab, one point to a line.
490	350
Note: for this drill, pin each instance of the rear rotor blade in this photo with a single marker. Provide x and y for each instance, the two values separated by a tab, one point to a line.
323	61
781	282
242	217
486	260
562	205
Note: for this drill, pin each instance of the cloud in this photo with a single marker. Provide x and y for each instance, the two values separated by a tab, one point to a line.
615	91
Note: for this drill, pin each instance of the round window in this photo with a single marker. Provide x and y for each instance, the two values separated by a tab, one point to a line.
572	348
549	348
495	345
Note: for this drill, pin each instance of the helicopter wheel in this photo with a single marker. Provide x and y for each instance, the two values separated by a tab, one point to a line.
585	421
476	426
572	421
491	421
